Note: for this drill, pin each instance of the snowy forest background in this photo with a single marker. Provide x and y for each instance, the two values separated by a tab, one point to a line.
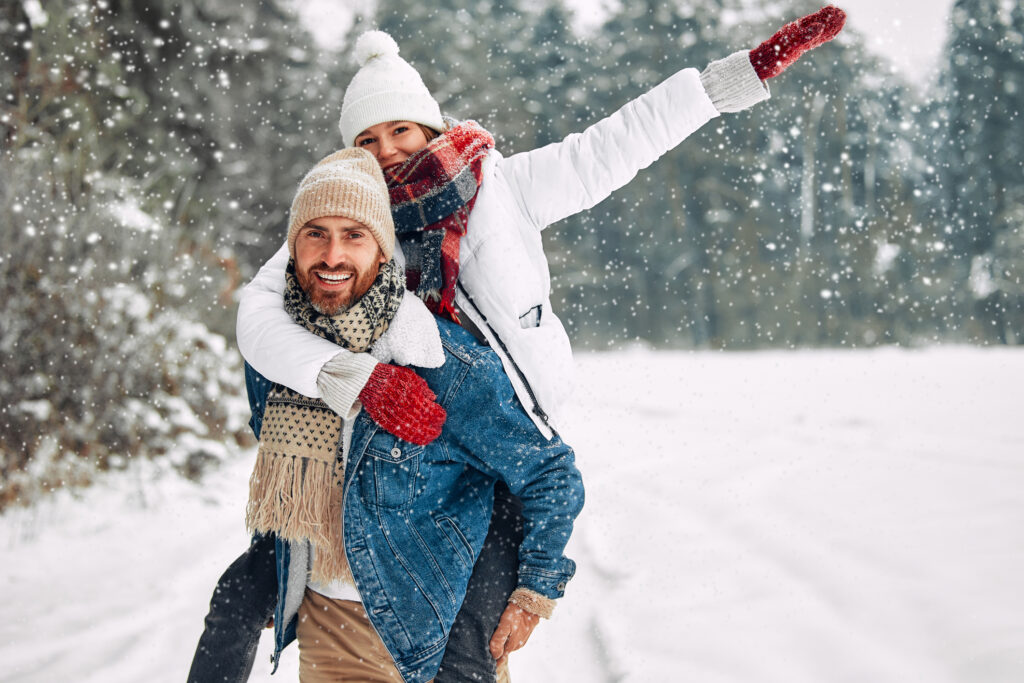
150	151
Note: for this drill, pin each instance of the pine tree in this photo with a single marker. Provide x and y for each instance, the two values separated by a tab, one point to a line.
144	144
985	90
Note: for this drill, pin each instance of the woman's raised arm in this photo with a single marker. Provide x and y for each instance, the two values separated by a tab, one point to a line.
566	177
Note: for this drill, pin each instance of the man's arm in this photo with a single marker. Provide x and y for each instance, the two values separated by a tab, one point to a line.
492	431
256	387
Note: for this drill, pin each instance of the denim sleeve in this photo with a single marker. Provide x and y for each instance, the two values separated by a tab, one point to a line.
257	387
489	428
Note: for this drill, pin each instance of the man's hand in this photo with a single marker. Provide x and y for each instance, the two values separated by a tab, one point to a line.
400	401
514	628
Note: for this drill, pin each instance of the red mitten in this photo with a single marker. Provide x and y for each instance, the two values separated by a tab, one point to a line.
771	57
400	401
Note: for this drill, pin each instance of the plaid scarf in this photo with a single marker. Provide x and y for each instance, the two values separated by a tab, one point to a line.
432	195
296	487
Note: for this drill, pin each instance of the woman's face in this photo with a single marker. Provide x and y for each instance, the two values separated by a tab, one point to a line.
392	142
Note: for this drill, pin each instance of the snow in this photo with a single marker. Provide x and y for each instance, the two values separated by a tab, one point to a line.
36	14
910	34
130	215
803	516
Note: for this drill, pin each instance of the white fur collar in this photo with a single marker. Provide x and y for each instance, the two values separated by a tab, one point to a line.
412	337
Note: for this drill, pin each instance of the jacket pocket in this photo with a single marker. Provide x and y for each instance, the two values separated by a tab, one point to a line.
532	317
390	470
451	531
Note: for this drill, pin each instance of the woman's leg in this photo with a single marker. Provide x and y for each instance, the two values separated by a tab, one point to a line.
467	657
242	604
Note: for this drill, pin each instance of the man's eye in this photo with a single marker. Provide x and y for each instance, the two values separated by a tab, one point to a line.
355	235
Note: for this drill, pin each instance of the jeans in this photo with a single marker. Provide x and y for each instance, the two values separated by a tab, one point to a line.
467	657
242	604
246	594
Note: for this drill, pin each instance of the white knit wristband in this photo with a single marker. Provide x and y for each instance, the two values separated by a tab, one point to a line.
342	378
732	84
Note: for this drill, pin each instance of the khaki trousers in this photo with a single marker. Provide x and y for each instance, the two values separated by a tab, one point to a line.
338	643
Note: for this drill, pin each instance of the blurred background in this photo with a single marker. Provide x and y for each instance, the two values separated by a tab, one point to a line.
150	151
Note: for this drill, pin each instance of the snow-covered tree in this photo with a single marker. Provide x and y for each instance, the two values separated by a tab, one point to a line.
146	147
984	163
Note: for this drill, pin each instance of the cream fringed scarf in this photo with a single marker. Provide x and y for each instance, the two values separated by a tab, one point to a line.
296	487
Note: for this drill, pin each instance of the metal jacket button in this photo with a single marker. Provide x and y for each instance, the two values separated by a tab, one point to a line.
396	452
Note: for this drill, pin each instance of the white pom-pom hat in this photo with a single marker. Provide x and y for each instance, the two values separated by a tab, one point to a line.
386	88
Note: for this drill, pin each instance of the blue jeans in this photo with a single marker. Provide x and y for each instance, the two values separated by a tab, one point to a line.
494	577
242	604
246	594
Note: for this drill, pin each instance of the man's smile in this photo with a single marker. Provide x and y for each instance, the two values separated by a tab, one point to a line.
332	280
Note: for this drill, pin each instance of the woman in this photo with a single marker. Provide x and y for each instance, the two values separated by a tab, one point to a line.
469	221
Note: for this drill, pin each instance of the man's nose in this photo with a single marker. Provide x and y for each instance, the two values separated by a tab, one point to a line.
334	254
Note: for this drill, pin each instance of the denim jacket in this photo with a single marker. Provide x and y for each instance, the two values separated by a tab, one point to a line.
415	517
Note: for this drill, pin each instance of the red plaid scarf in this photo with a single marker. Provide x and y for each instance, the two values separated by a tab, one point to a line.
432	195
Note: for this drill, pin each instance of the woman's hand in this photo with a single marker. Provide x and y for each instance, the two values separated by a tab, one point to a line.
400	401
514	629
771	57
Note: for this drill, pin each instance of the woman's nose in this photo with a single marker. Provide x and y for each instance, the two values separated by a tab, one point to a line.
386	148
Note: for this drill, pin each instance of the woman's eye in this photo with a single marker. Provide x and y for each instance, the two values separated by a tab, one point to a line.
364	142
400	130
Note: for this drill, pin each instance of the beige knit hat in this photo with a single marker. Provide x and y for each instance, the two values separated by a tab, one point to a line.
349	184
386	88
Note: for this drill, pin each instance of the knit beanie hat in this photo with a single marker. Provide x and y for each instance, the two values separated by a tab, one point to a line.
349	184
384	89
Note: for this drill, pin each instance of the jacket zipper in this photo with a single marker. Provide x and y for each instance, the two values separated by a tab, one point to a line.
537	410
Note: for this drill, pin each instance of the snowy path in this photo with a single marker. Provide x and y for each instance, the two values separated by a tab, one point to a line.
813	516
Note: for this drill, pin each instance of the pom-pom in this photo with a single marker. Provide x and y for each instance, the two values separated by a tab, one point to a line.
374	44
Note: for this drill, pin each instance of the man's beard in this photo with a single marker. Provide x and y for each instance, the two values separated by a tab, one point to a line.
335	303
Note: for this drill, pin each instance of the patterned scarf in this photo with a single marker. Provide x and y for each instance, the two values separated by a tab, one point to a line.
358	328
432	195
296	487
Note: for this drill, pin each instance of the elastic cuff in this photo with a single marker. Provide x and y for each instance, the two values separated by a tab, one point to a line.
732	84
532	602
342	378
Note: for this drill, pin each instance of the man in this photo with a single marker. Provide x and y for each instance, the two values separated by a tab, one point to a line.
376	537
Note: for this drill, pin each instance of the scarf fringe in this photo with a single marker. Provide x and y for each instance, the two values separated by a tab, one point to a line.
297	499
298	495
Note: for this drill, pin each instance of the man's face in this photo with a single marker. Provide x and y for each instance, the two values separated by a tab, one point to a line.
336	261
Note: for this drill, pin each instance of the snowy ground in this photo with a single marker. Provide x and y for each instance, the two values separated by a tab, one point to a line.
812	516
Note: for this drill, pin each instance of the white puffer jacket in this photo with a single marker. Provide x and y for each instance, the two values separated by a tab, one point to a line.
504	281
